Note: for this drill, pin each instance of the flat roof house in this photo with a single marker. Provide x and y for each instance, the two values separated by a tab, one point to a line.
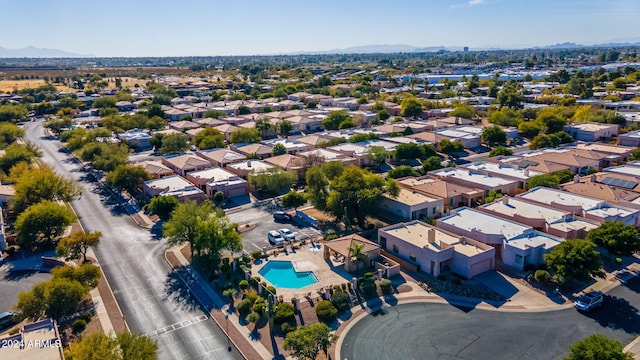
320	156
583	206
516	244
243	169
429	249
477	180
505	171
590	131
556	222
216	179
175	186
411	205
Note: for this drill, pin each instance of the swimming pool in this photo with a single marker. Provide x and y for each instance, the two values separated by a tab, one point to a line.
281	274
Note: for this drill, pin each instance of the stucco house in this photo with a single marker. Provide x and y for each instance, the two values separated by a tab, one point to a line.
412	205
429	249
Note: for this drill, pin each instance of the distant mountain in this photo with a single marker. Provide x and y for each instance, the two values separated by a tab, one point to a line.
34	52
378	48
613	43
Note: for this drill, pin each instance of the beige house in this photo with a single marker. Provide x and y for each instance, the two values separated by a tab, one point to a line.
216	179
421	247
453	195
412	205
243	169
342	248
155	168
221	157
175	186
183	164
258	150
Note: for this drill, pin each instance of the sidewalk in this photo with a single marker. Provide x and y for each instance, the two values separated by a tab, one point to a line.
239	335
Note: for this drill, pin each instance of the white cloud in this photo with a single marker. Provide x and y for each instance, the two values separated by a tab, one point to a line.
475	2
468	4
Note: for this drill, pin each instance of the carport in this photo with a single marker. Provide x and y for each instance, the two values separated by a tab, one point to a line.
341	246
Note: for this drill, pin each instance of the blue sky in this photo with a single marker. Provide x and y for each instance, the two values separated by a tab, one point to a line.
240	27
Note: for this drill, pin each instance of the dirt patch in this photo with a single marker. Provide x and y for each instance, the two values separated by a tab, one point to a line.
404	288
14	85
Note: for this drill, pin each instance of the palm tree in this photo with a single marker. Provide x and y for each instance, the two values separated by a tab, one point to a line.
355	251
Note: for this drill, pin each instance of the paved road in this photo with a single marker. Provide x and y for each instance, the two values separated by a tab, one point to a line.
441	331
151	297
11	283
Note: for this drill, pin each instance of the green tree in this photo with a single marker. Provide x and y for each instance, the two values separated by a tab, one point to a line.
278	149
464	111
318	179
263	125
359	191
9	133
105	102
402	171
13	112
245	136
243	110
206	229
102	347
411	107
215	114
209	138
356	253
283	127
335	118
635	154
410	151
431	163
17	153
174	144
56	125
272	181
155	110
575	259
76	245
128	177
449	147
510	96
293	199
616	237
546	180
356	138
41	184
542	141
63	297
39	224
104	156
500	151
493	135
86	275
551	119
506	117
307	341
377	155
163	206
597	347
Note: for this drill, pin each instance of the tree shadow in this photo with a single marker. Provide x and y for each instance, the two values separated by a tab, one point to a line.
345	315
618	314
631	282
18	275
390	299
177	292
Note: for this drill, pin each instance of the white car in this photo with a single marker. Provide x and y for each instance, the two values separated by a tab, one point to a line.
287	234
275	238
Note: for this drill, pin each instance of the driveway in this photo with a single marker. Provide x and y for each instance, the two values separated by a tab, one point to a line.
441	331
14	282
262	217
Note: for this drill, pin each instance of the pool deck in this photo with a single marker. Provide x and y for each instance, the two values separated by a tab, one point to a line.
327	272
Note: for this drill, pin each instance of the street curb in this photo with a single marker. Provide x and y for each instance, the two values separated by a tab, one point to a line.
201	304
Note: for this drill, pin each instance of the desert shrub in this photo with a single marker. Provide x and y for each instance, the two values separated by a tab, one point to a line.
368	275
87	316
244	307
340	300
256	254
287	327
385	286
326	311
252	295
542	276
243	284
284	313
259	307
271	289
368	287
78	325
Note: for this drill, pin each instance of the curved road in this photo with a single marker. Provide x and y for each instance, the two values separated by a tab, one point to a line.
442	331
152	298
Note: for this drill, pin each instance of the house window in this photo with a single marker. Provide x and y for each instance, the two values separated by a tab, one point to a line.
412	257
395	249
452	202
518	259
383	242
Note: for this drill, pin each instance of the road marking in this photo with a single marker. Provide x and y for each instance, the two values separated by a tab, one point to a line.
179	325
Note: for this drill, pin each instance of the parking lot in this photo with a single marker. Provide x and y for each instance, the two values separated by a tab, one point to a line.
262	217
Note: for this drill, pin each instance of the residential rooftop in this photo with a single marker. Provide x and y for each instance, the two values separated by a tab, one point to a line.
476	221
514	206
589	205
628	169
503	169
411	197
472	177
533	239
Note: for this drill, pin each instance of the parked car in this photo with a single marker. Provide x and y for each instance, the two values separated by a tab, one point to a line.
589	301
287	234
6	318
275	238
281	216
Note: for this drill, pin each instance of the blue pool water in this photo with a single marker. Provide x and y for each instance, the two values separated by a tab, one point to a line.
281	274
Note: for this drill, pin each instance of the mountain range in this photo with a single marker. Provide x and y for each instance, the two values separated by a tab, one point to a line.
34	52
